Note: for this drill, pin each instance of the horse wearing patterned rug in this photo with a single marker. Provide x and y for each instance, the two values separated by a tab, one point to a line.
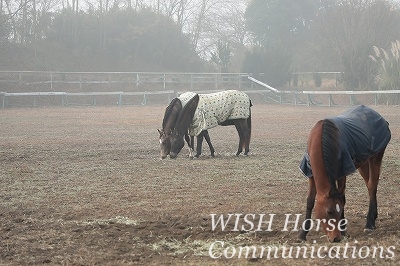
205	111
337	146
168	125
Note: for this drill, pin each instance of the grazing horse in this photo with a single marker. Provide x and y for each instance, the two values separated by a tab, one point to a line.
337	147
205	111
171	114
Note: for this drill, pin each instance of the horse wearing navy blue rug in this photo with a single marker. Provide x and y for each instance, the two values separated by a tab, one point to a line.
168	125
337	147
205	111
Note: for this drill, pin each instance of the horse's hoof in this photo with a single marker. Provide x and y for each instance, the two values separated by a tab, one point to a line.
368	230
302	237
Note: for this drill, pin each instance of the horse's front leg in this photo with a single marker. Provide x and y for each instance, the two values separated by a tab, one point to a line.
342	192
199	144
207	137
190	143
312	192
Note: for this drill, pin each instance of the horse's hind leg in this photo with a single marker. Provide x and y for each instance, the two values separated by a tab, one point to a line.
247	135
239	129
207	137
370	171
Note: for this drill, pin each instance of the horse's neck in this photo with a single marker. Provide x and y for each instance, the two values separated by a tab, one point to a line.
186	116
183	125
170	117
323	152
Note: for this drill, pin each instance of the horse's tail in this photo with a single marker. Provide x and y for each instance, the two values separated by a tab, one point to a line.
330	150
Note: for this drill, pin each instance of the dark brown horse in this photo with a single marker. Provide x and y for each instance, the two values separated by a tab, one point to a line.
168	125
205	111
338	146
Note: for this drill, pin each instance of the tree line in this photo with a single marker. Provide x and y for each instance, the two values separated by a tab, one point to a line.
272	37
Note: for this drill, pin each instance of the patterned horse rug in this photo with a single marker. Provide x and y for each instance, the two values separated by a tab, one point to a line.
362	133
186	97
215	108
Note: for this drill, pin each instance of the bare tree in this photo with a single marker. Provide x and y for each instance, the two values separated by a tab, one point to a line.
348	31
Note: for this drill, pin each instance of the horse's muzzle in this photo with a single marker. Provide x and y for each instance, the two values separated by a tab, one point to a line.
335	239
173	155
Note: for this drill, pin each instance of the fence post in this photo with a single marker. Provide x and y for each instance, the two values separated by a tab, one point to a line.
144	99
51	81
120	99
4	100
109	80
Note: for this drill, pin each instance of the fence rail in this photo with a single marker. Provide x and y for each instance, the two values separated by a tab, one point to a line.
325	98
109	81
265	93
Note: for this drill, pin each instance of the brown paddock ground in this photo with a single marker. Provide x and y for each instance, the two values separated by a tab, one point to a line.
86	186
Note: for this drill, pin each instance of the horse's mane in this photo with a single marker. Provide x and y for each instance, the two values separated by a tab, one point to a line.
169	111
330	151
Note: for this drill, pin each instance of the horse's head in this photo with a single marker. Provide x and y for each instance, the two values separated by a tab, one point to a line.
177	143
328	212
165	144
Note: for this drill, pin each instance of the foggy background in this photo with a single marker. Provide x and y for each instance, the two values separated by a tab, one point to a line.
276	38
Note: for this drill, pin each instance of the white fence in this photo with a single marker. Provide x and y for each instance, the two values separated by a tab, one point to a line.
116	81
70	98
35	99
265	93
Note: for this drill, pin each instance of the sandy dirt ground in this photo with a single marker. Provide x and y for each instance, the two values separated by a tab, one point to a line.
86	186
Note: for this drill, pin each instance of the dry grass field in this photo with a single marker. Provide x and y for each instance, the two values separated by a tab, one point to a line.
86	186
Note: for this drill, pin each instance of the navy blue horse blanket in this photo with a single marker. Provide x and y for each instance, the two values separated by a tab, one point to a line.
362	133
